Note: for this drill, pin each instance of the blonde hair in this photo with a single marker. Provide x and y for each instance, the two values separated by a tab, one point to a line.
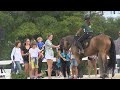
34	43
39	38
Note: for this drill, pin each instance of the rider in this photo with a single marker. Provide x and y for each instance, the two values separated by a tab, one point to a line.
86	27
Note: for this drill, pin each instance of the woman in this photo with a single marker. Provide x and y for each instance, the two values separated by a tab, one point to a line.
49	54
16	56
25	54
92	60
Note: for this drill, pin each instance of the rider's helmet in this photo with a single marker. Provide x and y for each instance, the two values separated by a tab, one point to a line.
86	17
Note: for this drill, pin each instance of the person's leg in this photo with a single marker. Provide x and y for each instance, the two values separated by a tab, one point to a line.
72	69
63	68
31	68
36	68
39	67
76	72
89	67
68	68
76	69
18	66
36	72
49	63
26	68
95	68
13	68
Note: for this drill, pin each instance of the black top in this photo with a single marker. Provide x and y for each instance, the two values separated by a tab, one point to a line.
25	51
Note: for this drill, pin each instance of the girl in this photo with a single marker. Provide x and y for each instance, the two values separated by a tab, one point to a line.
16	56
33	60
25	54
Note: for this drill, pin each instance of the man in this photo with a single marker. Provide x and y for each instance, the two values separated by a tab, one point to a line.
86	27
117	47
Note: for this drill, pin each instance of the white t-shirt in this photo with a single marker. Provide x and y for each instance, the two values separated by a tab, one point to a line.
34	52
16	52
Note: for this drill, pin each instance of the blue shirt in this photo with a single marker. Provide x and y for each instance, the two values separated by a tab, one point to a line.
66	56
40	45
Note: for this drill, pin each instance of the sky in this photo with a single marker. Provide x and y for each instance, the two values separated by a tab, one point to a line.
111	14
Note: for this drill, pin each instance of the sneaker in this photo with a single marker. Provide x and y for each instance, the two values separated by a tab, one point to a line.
88	76
75	77
65	78
71	77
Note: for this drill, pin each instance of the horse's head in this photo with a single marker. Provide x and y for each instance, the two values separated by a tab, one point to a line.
64	45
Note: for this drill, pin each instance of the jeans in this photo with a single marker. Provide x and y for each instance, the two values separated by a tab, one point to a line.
39	65
17	67
65	67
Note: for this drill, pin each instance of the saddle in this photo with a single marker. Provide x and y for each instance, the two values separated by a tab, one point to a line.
85	43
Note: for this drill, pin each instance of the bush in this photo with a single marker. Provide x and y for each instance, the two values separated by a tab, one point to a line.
20	75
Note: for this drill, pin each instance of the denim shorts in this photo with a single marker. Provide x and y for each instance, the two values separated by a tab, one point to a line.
26	62
74	63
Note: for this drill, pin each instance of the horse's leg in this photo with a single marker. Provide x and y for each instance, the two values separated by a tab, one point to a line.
105	64
74	50
100	65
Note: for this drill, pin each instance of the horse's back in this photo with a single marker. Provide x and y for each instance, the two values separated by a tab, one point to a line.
101	41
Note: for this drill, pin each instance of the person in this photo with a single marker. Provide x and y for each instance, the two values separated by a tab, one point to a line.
40	45
49	54
25	54
58	71
65	61
92	60
33	60
74	68
86	27
117	47
16	57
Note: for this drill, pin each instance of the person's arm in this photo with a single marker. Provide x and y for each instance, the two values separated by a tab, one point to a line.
61	56
79	31
12	54
21	55
54	46
29	57
49	44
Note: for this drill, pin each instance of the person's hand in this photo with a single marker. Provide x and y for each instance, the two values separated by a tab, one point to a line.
64	59
58	46
27	54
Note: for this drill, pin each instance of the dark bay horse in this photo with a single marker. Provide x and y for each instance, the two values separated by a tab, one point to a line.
101	45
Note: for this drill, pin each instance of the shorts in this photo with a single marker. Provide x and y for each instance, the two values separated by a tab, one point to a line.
26	62
34	62
74	63
49	55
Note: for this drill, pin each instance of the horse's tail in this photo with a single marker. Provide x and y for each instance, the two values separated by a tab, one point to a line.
112	61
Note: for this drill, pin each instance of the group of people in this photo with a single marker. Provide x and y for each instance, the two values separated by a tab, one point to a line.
32	54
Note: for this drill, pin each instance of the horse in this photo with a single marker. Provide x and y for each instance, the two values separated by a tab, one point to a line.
101	45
